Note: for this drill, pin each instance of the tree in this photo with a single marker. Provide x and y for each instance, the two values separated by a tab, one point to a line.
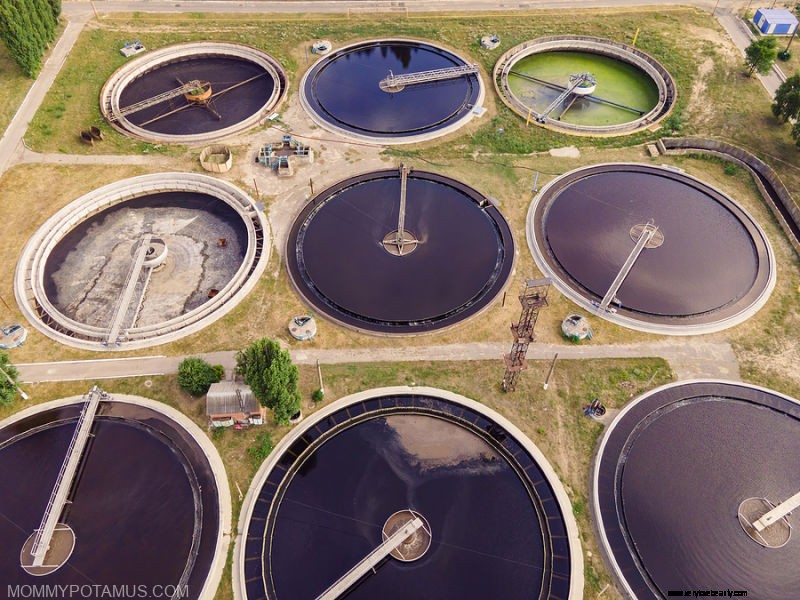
796	133
8	390
269	372
787	99
195	375
761	54
27	27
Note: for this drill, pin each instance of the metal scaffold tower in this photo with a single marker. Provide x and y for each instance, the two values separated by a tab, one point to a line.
532	299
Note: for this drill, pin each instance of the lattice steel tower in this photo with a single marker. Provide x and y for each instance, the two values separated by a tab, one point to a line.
532	298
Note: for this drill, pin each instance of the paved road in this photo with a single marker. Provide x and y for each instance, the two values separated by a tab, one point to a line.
688	359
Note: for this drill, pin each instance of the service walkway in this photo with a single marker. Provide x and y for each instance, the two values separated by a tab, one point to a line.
689	358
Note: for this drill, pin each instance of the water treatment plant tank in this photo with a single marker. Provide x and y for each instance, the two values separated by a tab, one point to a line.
343	92
149	506
459	254
193	92
629	89
707	266
675	477
497	520
142	261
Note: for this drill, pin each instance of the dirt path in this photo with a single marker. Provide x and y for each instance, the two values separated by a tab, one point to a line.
165	162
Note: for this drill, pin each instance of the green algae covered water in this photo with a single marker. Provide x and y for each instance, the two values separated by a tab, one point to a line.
617	81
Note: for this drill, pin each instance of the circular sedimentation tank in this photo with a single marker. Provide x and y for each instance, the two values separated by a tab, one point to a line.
343	93
152	96
707	266
341	258
631	89
680	476
495	521
142	261
149	506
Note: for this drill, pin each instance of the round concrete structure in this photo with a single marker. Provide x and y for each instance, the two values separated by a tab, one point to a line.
675	472
461	256
628	55
707	267
225	66
501	524
342	93
77	271
150	506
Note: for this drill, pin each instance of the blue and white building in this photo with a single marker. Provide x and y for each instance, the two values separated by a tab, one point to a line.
775	21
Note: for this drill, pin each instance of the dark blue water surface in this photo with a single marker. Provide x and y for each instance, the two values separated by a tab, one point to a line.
462	261
713	258
221	72
343	89
672	475
497	530
143	491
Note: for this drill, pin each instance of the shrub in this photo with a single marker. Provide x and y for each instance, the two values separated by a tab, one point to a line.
261	448
318	395
195	375
8	389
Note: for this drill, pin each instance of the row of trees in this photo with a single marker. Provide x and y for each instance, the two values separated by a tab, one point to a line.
27	27
266	368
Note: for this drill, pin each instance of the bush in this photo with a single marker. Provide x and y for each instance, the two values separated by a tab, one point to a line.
219	371
731	168
195	375
673	123
785	55
318	395
261	448
8	390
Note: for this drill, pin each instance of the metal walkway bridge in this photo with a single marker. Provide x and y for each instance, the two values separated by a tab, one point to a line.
575	81
648	231
372	559
777	513
395	83
185	88
128	290
63	485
